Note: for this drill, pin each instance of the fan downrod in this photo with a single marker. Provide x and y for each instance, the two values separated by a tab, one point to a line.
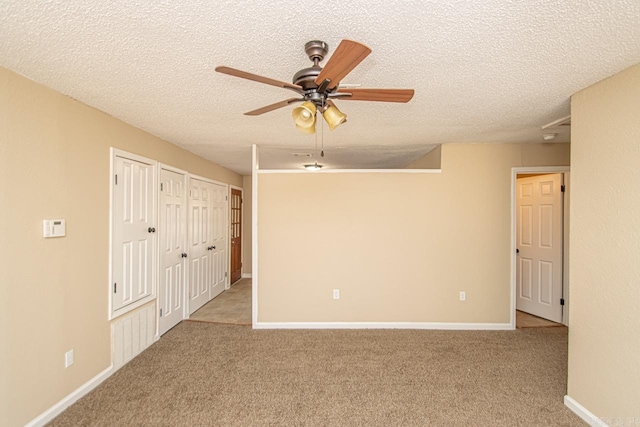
316	50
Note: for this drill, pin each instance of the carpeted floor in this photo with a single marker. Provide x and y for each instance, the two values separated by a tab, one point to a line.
202	374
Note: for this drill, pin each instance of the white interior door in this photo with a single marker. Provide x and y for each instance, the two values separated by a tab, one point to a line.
172	234
199	243
133	234
539	239
219	253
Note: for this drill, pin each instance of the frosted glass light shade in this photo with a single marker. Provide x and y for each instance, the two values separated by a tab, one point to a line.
304	117
308	129
334	117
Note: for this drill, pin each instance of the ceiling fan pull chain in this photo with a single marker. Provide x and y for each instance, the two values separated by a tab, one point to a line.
316	136
322	130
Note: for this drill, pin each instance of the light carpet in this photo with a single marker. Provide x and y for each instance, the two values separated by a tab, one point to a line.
205	374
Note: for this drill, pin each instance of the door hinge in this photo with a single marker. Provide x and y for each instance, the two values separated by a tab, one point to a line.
116	179
562	188
161	186
115	288
561	301
226	197
160	312
225	274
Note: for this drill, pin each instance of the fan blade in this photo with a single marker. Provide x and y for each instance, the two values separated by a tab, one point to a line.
382	95
259	79
346	57
273	106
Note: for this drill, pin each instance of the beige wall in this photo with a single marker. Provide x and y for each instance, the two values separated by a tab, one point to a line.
399	247
431	160
54	163
246	223
604	343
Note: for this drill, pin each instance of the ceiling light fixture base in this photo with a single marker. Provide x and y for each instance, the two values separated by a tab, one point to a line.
313	166
316	50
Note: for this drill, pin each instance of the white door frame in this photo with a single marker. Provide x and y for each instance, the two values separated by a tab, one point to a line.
185	284
512	247
235	187
255	167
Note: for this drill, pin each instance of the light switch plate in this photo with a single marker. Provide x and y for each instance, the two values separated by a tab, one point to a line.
68	358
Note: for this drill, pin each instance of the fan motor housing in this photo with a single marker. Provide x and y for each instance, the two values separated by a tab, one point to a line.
306	77
316	51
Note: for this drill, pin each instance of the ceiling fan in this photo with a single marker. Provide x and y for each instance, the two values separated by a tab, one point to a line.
318	86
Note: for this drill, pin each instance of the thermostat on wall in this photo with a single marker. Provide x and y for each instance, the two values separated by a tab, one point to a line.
54	227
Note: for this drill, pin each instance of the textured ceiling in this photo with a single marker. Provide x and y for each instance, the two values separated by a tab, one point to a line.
483	70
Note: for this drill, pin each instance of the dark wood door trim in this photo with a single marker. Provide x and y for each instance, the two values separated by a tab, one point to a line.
236	234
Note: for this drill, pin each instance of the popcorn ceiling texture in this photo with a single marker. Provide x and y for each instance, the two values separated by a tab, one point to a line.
483	71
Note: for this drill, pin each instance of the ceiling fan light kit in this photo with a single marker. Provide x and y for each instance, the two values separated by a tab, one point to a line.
318	86
304	117
307	129
333	116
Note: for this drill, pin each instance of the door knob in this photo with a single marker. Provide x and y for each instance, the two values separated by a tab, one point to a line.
151	230
517	251
183	255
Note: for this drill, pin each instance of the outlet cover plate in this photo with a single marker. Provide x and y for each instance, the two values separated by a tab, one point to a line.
68	358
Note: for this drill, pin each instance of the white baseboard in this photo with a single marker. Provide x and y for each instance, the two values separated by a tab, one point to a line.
72	398
130	336
246	275
383	325
583	412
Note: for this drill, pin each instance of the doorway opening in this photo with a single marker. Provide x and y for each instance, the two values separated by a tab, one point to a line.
539	243
236	212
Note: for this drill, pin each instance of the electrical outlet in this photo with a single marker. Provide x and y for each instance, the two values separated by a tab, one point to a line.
463	296
68	358
336	294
